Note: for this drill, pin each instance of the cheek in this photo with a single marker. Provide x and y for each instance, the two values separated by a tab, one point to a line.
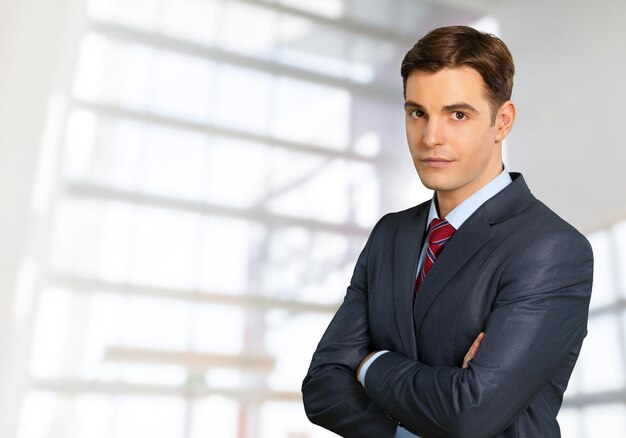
412	134
478	145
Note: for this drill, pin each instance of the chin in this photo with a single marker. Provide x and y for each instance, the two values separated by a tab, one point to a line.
433	182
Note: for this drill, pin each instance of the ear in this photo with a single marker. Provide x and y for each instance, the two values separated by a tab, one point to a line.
504	120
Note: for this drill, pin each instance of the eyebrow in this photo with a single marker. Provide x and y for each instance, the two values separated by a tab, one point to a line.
447	108
460	106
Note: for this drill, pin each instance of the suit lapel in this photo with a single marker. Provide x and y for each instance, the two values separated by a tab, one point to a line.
469	238
406	256
472	235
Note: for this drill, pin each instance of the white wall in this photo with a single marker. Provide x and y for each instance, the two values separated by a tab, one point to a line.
32	38
569	136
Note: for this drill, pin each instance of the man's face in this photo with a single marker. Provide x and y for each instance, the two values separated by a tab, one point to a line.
456	149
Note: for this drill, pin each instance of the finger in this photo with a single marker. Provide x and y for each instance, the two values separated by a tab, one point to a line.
476	344
473	349
469	355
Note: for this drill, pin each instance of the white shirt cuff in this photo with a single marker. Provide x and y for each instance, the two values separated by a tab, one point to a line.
401	432
367	364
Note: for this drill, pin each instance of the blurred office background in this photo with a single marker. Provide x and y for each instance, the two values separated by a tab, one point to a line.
185	186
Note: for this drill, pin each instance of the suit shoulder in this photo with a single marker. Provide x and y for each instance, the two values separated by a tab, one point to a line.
395	218
551	218
390	224
539	221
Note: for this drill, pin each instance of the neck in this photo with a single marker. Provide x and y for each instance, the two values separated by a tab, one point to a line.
445	205
446	201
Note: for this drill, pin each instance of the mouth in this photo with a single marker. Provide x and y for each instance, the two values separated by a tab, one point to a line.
436	162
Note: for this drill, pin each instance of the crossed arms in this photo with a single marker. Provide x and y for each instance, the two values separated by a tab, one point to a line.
536	323
468	356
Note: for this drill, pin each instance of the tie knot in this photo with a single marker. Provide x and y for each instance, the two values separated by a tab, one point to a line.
440	231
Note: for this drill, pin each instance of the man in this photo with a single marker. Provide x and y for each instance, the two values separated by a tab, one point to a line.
405	355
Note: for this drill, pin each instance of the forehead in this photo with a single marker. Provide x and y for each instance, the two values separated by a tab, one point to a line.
446	86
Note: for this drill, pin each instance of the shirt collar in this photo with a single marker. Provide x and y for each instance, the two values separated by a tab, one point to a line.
466	208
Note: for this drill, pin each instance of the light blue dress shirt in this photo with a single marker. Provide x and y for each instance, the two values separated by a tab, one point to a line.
456	218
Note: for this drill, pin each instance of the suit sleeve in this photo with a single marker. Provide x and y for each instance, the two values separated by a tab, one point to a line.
538	319
333	397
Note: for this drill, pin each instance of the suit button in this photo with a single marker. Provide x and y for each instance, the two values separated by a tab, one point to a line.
393	419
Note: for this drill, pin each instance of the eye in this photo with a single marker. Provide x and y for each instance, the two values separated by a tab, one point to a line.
458	115
417	114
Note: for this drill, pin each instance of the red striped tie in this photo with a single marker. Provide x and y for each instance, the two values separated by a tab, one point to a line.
439	232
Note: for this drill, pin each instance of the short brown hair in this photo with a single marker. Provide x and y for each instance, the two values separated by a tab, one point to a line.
458	46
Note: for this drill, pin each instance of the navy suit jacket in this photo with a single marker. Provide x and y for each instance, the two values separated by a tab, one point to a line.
514	270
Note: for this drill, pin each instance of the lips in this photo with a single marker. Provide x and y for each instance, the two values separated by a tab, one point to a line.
436	162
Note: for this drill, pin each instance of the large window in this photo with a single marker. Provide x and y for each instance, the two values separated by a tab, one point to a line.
222	164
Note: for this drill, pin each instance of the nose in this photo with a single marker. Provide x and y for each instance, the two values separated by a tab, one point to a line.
433	133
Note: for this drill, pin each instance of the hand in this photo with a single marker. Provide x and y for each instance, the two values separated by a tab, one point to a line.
473	350
358	370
